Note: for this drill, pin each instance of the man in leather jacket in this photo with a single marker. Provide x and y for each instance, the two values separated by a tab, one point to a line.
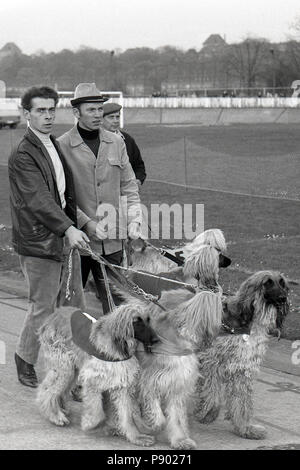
44	219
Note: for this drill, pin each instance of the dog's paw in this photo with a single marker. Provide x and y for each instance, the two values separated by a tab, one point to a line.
143	440
60	420
185	444
253	431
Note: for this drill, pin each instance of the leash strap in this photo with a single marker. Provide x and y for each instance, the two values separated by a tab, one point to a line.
110	299
179	260
191	287
122	281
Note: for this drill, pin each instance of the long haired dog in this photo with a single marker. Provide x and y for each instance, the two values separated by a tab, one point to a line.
201	266
144	257
115	374
169	373
189	322
229	365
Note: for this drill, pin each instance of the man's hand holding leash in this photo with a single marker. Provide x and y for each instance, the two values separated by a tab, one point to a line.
76	238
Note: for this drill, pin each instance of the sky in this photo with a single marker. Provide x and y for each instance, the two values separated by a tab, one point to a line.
53	25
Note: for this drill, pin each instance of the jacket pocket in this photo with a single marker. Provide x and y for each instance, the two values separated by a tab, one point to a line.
37	232
114	161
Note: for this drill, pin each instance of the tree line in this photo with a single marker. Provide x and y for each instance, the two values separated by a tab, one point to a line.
250	63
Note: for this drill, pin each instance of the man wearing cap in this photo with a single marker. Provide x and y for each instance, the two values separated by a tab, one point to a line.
105	184
111	122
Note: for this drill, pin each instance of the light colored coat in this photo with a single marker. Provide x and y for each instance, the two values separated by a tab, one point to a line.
102	181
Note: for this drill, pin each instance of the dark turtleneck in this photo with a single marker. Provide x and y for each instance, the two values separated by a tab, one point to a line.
90	138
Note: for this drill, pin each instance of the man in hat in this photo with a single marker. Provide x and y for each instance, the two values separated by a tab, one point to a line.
111	122
102	175
44	218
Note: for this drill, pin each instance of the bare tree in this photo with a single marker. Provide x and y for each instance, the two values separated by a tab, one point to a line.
247	60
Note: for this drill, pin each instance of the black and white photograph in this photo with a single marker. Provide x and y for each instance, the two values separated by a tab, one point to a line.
149	228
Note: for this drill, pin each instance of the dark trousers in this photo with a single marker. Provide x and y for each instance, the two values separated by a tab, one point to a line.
88	264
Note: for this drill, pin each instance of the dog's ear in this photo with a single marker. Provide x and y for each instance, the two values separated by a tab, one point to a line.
122	332
203	265
282	311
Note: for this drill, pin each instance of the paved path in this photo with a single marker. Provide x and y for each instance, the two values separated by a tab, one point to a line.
277	399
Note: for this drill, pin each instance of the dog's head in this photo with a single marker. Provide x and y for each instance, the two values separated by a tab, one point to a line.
143	331
212	237
203	265
263	299
275	290
143	257
120	330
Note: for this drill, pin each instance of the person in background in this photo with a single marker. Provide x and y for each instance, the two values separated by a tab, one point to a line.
111	122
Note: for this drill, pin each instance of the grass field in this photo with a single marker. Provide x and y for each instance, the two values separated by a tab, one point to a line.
248	180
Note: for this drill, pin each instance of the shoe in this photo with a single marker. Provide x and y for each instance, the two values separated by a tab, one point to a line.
26	372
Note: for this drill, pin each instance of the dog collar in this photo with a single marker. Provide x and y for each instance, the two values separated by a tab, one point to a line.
229	330
81	324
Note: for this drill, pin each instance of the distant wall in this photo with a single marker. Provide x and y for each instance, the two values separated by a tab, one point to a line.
200	116
201	111
214	102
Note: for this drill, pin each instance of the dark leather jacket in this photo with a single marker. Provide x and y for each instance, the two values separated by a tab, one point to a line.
38	220
135	157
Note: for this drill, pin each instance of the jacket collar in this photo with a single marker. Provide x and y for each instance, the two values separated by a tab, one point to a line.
76	139
33	138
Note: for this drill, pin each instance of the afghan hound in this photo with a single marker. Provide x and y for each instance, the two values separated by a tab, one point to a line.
106	364
146	258
228	367
169	373
184	321
201	265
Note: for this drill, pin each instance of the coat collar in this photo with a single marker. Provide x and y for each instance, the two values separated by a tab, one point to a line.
76	139
33	138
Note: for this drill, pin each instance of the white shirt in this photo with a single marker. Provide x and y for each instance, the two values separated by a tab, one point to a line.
58	168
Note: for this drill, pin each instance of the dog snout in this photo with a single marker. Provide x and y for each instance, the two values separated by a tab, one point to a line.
144	333
224	261
282	299
275	296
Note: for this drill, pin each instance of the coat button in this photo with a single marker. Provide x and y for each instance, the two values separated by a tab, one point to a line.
98	184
